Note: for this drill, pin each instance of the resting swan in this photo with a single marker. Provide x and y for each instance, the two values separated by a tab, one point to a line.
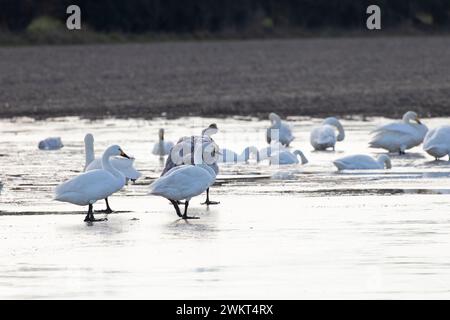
54	143
287	157
400	136
229	156
437	142
124	165
162	148
361	162
279	131
89	187
275	147
324	137
183	183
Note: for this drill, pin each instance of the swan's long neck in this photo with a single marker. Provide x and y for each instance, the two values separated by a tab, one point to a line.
106	164
276	120
302	156
89	153
337	124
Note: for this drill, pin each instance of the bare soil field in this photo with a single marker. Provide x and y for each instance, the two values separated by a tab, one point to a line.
311	77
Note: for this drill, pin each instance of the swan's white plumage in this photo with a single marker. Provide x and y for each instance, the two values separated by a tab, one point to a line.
53	143
324	136
362	162
437	142
124	165
285	136
162	147
89	187
183	182
229	156
399	136
286	157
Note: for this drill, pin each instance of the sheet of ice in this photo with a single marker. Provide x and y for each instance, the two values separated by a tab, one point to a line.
292	232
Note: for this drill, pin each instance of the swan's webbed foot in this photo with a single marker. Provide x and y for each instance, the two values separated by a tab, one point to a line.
90	216
209	202
108	208
185	216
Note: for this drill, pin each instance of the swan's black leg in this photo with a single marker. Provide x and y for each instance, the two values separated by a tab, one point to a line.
185	216
177	208
208	202
108	208
89	215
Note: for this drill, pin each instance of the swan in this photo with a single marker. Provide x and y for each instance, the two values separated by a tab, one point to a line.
400	136
162	148
124	165
229	156
89	187
287	157
53	143
324	136
437	142
275	147
183	183
187	145
279	131
361	162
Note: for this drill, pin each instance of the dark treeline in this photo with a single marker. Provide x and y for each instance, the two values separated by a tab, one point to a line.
188	16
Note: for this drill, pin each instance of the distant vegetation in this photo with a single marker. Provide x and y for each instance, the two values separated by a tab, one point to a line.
105	20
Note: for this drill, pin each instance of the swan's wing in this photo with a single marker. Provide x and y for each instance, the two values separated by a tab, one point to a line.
398	128
359	161
94	183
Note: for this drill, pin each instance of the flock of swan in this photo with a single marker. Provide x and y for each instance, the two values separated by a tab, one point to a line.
191	166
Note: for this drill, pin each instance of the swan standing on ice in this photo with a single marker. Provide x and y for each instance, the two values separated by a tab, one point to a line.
284	133
324	137
183	183
229	156
361	162
162	148
437	142
286	157
124	165
186	145
89	187
54	143
400	136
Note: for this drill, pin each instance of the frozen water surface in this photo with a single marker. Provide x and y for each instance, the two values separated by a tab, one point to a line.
292	232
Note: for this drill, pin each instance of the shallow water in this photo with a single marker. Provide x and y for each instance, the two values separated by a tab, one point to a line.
292	232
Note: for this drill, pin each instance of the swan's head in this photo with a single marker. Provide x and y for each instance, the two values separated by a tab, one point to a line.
411	116
274	118
385	161
302	156
89	139
332	121
212	129
161	134
115	150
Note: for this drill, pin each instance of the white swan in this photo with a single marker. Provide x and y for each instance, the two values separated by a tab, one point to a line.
187	145
53	143
400	136
279	131
287	157
361	162
162	148
229	156
324	136
183	183
89	187
437	142
124	165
